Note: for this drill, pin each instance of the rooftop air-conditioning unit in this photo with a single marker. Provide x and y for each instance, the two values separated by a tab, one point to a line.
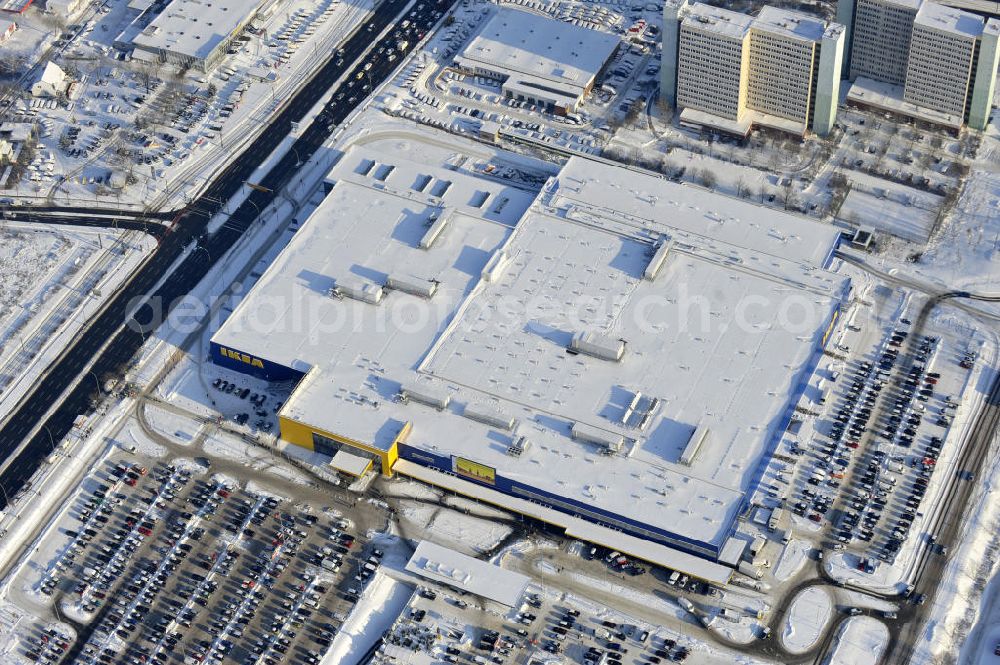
415	286
598	345
611	441
361	291
425	394
489	415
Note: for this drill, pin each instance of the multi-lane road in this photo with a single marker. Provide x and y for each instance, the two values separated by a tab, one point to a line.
108	343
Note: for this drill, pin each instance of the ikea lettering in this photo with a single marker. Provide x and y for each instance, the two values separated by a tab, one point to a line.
242	357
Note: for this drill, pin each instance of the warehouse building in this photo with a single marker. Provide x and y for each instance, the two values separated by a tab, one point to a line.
922	59
195	33
539	60
591	358
730	72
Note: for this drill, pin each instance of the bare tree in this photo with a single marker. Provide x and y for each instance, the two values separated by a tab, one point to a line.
708	178
789	193
742	190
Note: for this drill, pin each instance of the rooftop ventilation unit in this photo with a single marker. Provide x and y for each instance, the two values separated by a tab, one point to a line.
361	291
610	441
639	411
494	268
425	394
656	262
438	223
694	444
415	286
489	415
517	448
598	346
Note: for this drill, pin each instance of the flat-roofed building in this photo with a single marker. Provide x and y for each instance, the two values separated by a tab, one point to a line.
730	71
195	33
921	59
712	61
942	50
592	357
880	38
538	59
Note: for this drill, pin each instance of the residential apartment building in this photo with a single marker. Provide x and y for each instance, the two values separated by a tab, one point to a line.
713	61
942	51
879	37
921	59
730	71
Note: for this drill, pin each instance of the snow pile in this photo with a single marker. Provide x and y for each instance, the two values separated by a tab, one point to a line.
806	619
961	586
859	641
378	608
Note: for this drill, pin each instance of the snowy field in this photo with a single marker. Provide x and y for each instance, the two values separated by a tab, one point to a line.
901	211
793	558
859	641
51	280
807	618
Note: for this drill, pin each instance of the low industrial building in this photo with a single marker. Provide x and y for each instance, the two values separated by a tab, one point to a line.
194	33
593	358
51	82
922	60
466	574
729	71
66	9
539	60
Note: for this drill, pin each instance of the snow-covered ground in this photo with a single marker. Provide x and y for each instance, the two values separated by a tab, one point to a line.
886	206
112	155
378	608
859	641
963	601
807	618
51	281
793	558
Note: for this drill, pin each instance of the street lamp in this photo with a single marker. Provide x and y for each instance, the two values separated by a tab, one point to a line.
6	499
97	381
52	441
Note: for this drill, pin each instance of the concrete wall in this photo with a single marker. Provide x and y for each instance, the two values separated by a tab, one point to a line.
984	77
831	58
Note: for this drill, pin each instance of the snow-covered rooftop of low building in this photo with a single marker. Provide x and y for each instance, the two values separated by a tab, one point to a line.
195	27
579	351
949	19
518	42
458	570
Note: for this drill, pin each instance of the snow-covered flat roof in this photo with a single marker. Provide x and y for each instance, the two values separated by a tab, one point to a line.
904	4
573	350
889	97
559	53
949	19
195	27
790	23
724	22
639	200
458	570
575	527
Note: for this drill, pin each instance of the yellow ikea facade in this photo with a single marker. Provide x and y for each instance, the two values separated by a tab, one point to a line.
301	434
